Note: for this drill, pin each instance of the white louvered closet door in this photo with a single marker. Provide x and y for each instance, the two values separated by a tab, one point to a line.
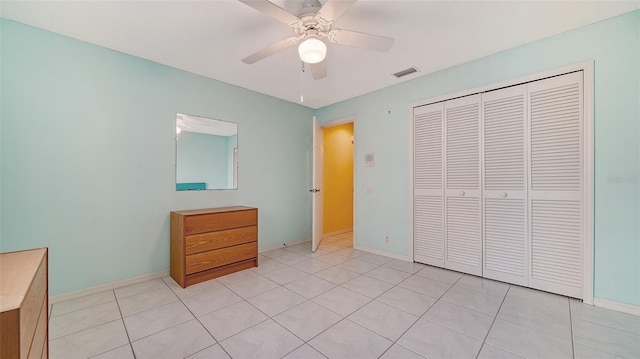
428	201
505	185
463	235
556	166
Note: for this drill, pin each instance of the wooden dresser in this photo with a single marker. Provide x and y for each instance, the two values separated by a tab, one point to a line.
209	243
24	304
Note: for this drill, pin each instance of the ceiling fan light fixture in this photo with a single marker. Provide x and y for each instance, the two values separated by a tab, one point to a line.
312	50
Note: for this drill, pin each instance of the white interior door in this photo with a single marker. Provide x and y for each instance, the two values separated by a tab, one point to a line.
463	214
428	183
316	222
506	249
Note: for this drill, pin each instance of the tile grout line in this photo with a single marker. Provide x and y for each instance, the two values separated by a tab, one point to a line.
311	300
307	300
198	320
272	317
596	324
268	316
373	299
157	306
306	342
546	333
165	284
637	334
179	299
425	312
91	327
493	322
378	266
125	328
573	347
337	265
49	339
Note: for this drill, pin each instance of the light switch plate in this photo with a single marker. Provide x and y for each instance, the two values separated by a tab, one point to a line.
368	159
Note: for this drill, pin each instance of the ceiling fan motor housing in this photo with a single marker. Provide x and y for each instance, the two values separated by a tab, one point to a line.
309	7
310	23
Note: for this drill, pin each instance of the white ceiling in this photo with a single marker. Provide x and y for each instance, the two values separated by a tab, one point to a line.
210	37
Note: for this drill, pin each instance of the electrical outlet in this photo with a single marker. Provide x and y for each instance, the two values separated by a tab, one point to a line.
386	238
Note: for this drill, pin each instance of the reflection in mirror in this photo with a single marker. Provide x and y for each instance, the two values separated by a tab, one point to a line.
206	153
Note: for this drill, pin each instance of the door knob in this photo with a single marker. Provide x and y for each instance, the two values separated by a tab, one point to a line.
462	193
504	194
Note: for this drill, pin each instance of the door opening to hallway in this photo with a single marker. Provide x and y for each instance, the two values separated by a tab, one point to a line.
338	183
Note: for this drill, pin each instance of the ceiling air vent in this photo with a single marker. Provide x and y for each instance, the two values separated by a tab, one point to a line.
405	72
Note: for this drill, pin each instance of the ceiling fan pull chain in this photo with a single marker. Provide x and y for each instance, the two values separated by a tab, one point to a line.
302	84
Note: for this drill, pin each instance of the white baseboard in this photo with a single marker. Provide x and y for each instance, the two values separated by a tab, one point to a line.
383	253
331	234
283	245
125	282
620	307
108	286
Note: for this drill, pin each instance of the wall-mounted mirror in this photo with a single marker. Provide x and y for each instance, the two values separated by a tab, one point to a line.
206	153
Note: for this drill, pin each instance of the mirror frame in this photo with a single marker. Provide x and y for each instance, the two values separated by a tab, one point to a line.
214	127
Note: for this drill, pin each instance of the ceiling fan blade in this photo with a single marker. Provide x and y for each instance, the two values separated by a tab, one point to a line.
333	9
319	70
270	50
361	39
273	10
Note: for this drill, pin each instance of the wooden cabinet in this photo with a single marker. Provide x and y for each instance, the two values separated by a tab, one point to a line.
24	304
209	243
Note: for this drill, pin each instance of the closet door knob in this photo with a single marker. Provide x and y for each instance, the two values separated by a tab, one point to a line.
462	193
504	194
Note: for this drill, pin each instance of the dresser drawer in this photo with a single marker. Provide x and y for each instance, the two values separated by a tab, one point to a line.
197	243
220	257
219	221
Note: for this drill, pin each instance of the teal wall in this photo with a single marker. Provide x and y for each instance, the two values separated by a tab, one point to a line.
88	156
202	157
382	128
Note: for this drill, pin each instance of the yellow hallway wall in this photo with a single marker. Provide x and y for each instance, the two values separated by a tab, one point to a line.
338	178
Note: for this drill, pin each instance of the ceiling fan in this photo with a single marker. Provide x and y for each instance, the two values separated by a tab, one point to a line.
311	24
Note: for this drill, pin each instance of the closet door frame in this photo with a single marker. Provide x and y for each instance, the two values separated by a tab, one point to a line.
588	168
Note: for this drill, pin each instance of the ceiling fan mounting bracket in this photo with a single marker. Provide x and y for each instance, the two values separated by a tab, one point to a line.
311	23
309	7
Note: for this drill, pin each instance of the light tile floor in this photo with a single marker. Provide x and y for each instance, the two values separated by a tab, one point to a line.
337	303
